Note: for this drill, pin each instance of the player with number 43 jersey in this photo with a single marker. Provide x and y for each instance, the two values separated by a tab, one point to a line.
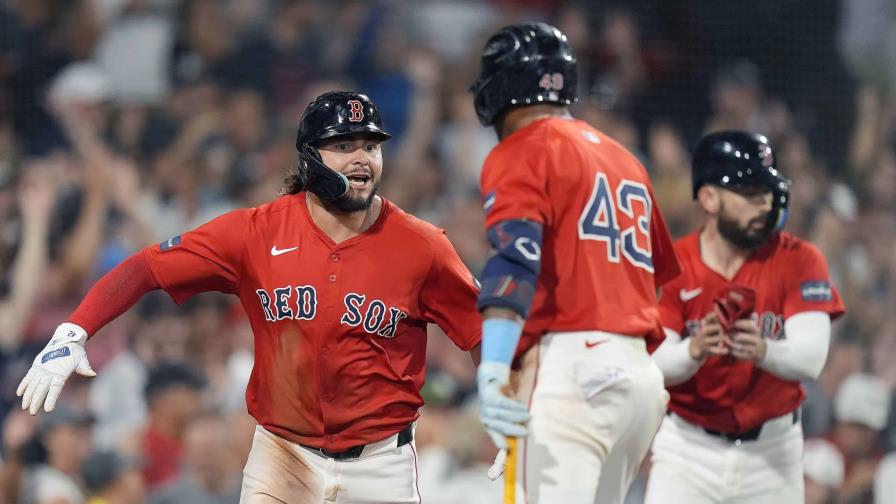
581	249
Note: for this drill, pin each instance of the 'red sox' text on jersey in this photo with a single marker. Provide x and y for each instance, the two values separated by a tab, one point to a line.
789	276
604	239
340	329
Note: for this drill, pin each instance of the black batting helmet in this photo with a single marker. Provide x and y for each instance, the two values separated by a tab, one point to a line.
330	115
741	159
524	64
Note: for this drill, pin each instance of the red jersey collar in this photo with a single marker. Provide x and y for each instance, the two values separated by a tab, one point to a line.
377	224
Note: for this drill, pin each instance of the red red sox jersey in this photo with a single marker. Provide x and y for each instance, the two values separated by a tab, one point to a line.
340	328
729	395
605	248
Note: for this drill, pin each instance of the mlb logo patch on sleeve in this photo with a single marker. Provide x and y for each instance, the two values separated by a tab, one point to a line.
170	243
816	290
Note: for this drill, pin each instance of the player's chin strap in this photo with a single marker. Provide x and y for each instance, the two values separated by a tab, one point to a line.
779	219
319	178
780	198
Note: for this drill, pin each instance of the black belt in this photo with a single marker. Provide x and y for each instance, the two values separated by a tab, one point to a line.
750	435
404	437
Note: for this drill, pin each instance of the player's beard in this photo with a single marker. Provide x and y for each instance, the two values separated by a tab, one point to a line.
350	203
745	237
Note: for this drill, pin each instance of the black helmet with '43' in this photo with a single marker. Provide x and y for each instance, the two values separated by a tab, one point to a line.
331	115
524	64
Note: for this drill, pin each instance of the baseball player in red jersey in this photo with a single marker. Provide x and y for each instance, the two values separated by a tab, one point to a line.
339	285
581	249
747	320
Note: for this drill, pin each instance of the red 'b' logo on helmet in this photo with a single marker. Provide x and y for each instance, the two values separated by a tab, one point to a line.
357	111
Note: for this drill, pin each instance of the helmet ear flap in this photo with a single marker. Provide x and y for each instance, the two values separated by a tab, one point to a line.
778	219
320	178
306	151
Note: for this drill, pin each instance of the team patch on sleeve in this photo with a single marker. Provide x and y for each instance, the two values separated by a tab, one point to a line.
170	243
816	290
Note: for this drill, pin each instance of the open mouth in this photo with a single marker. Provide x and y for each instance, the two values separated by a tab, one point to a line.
358	180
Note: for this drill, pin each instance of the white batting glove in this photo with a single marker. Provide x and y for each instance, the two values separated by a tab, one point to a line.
501	415
62	356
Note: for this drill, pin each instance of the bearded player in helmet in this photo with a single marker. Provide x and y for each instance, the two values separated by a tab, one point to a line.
747	320
581	248
339	285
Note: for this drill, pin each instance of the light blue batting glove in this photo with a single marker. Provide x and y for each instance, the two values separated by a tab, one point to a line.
501	415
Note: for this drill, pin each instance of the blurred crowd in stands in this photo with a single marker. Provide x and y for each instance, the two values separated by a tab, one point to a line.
126	122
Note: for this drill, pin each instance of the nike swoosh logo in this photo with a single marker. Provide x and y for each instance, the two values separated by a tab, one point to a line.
275	252
592	344
687	295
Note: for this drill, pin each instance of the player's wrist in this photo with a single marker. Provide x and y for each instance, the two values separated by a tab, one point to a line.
492	371
499	340
68	332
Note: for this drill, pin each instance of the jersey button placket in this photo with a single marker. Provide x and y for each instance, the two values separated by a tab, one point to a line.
326	396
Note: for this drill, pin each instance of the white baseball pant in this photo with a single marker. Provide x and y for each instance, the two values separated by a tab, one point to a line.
693	466
279	471
596	400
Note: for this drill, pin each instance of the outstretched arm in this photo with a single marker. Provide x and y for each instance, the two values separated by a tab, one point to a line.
112	295
202	260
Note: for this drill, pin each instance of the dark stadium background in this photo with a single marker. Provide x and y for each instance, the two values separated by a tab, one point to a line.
125	122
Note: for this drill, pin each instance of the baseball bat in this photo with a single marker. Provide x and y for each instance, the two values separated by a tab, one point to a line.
510	472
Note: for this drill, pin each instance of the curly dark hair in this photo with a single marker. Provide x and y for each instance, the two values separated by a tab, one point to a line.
294	182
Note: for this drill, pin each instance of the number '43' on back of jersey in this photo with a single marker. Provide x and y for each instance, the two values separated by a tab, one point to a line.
606	249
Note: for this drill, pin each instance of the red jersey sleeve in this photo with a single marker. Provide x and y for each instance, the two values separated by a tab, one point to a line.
665	263
448	296
208	258
514	185
672	308
808	284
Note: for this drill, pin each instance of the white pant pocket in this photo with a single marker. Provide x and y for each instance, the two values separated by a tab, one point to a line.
594	380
